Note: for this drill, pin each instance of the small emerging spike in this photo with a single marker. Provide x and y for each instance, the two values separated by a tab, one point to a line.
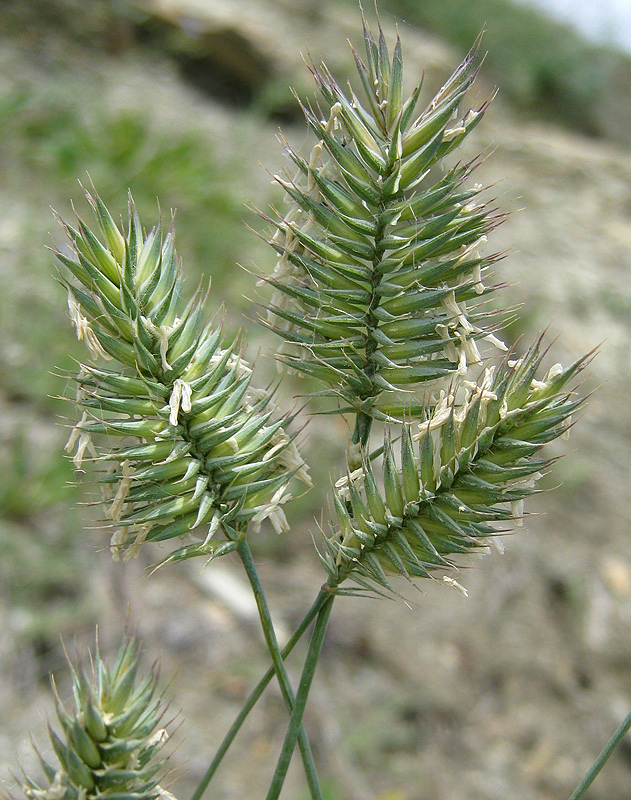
111	743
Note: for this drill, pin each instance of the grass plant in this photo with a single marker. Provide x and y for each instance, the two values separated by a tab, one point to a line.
381	295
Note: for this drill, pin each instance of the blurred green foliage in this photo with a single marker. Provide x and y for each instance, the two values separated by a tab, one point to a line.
49	141
40	557
61	138
30	482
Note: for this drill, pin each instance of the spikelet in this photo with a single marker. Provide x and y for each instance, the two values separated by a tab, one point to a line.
378	284
469	465
189	444
109	746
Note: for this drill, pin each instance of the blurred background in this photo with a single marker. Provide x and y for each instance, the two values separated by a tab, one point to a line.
507	694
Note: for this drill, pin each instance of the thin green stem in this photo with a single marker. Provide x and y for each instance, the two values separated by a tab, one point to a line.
301	699
600	762
245	554
255	695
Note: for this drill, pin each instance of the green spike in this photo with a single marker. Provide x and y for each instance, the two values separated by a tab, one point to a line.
323	215
409	106
207	506
85	748
428	478
115	240
59	747
367	147
367	83
395	85
149	260
95	726
448	440
391	553
409	471
559	381
78	772
372	55
469	431
103	259
383	63
394	498
340	197
375	570
176	507
122	351
186	332
417	165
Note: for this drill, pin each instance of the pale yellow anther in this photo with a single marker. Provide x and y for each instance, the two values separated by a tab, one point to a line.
462	362
457	312
336	110
116	508
133	551
316	152
469	348
468	250
180	397
83	442
357	478
568	427
161	333
272	510
491	338
555	369
56	791
290	457
477	277
81	392
517	510
83	329
483	388
117	542
455	585
74	434
450	348
498	544
471	116
451	133
442	412
160	737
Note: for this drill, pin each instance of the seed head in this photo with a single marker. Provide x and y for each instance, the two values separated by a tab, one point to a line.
378	286
178	437
109	745
466	468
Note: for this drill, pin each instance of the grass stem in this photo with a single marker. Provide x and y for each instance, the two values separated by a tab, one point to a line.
302	695
255	695
244	552
602	759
